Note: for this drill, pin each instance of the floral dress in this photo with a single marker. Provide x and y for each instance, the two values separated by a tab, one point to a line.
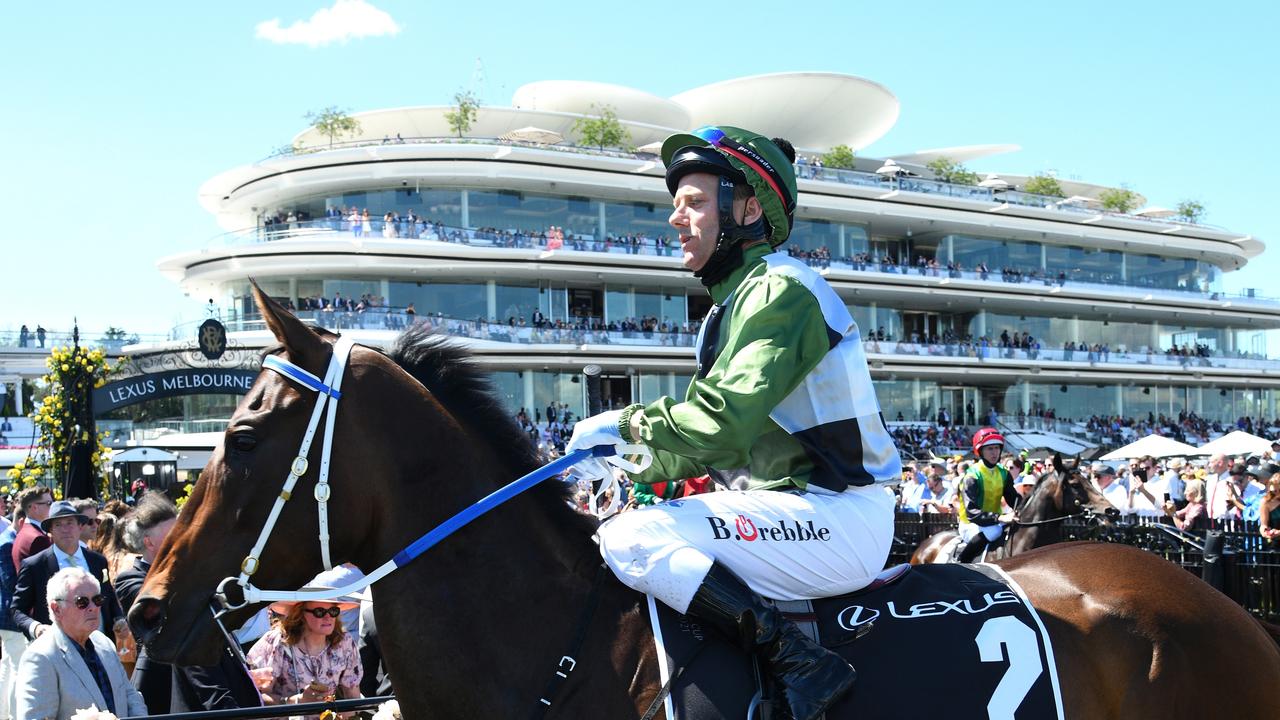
338	666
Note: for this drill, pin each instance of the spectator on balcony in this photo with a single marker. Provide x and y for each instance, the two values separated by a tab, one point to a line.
24	336
40	334
357	229
366	225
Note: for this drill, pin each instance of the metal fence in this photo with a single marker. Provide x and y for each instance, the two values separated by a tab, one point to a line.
1232	557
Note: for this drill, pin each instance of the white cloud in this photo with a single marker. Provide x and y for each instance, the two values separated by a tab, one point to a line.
347	19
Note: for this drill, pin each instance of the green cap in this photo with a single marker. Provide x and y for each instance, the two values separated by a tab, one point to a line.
764	164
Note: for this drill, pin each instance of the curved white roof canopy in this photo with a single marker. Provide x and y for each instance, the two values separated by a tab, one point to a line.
814	110
586	98
960	153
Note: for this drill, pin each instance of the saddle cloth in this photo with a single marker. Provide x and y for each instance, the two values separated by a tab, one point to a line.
948	641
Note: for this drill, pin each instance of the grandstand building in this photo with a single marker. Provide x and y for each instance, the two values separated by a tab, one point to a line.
546	255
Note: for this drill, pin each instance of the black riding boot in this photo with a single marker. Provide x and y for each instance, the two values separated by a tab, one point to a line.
974	547
811	677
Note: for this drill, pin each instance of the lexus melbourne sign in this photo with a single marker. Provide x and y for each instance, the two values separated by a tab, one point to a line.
154	386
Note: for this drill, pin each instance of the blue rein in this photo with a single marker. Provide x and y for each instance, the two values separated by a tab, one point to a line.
496	498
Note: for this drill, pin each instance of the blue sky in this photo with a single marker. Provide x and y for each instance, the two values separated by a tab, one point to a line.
116	113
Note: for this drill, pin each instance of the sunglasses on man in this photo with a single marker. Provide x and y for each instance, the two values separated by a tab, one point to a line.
320	613
81	602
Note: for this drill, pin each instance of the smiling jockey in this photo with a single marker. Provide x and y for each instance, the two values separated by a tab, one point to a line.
781	412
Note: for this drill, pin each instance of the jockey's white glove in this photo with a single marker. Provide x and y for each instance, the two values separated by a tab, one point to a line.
589	432
605	429
596	430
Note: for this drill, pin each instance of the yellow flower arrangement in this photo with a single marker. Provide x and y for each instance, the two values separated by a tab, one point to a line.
72	373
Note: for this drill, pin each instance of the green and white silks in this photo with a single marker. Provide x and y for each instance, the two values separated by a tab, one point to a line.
782	396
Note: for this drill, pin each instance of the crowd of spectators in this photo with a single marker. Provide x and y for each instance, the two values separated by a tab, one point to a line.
71	571
1240	494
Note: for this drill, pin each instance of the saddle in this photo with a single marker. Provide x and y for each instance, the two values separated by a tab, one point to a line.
928	641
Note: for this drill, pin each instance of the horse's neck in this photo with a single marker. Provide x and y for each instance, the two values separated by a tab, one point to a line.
483	625
1038	509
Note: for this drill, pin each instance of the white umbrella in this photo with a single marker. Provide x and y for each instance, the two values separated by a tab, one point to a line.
534	135
1157	446
1156	211
890	169
1236	443
995	182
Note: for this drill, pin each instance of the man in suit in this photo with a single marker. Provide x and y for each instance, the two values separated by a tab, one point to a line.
30	607
72	666
35	502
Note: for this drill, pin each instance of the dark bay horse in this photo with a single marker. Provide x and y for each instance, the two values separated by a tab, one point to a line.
1061	493
478	626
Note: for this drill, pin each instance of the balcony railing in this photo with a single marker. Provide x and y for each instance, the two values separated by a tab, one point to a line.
396	319
803	171
59	338
887	349
341	228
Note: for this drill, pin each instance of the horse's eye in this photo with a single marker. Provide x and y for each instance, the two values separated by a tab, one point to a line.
243	441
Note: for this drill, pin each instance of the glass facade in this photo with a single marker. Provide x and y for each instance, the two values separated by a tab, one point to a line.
511	300
585	217
1077	401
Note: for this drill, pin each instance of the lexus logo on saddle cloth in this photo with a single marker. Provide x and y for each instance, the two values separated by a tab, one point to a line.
747	530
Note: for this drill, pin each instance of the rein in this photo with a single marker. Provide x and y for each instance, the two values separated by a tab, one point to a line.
1033	523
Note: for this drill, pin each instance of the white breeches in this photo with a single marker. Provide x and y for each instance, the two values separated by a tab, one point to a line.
788	545
969	530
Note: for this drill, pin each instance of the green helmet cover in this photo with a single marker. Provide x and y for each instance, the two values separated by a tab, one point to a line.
766	167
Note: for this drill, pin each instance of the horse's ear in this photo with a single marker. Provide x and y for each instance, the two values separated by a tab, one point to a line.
300	340
1058	464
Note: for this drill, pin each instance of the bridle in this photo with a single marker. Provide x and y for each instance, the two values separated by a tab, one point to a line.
1086	512
329	392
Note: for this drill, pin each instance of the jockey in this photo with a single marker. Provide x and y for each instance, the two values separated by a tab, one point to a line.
781	413
984	484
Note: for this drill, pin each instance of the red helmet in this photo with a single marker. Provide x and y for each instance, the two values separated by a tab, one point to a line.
986	436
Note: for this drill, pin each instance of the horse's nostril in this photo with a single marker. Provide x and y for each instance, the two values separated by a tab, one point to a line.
146	616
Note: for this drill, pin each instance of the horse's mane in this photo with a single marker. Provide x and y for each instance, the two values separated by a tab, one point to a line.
449	373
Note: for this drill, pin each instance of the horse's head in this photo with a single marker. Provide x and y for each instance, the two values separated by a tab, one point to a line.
1064	491
229	506
1073	494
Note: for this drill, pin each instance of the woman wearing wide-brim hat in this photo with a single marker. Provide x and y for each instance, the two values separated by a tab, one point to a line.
307	656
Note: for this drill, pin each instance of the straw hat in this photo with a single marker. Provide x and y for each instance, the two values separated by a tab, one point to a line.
344	602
